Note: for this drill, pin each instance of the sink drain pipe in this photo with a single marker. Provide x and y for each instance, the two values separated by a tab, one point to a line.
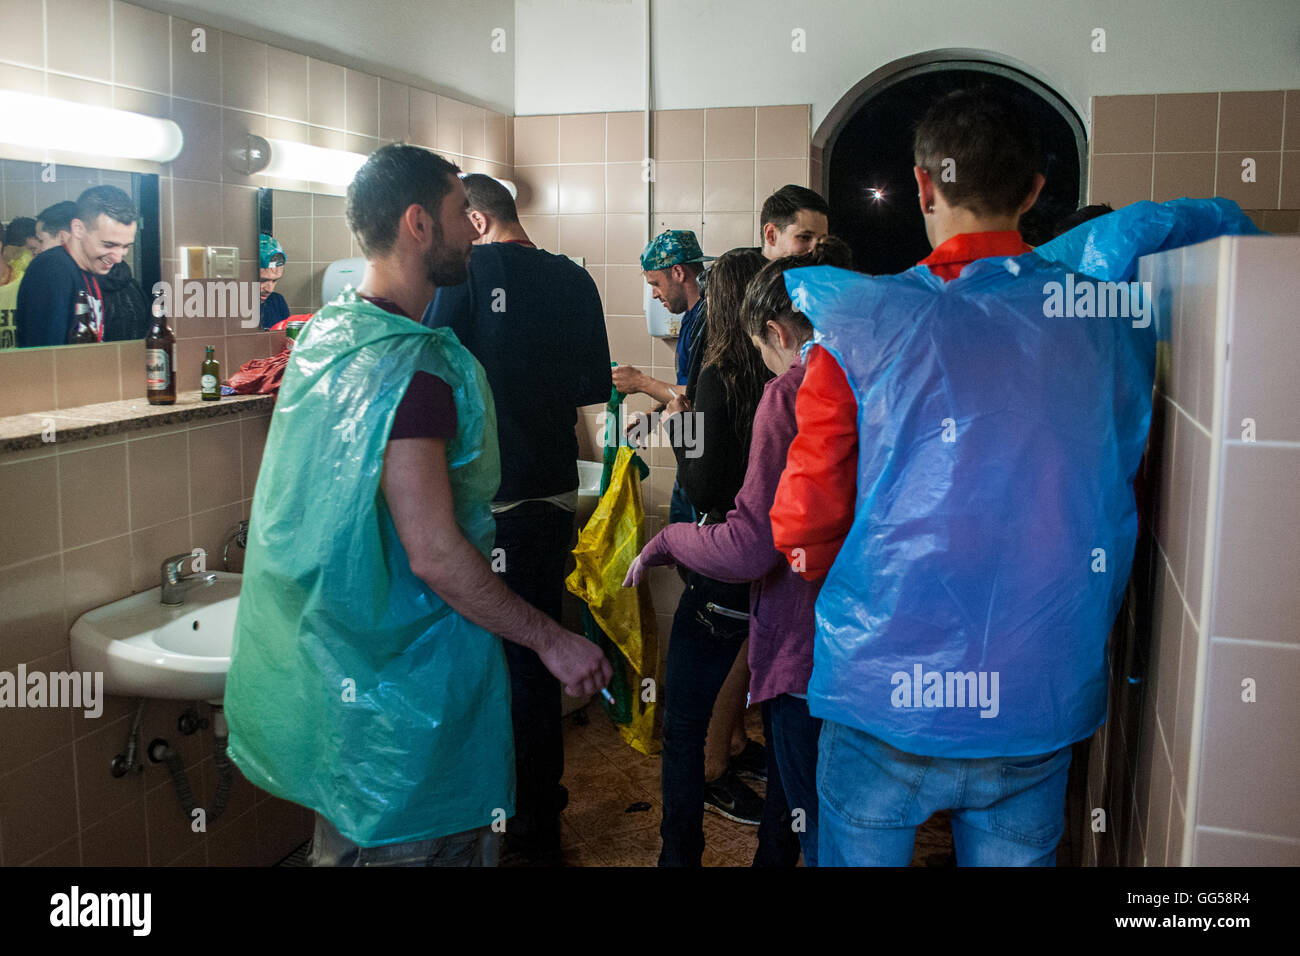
160	752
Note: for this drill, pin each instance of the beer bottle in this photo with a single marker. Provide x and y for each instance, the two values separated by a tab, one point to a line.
160	358
210	378
83	320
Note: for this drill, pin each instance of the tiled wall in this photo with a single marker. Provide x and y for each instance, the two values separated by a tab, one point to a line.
582	193
1189	771
1166	145
135	59
84	524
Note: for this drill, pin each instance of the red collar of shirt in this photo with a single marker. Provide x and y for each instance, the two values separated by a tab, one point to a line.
950	257
519	242
388	305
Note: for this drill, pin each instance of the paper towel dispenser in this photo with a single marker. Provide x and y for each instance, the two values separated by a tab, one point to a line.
340	273
658	320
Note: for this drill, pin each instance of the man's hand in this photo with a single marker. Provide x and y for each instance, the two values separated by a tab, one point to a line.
417	488
679	404
636	430
579	665
629	379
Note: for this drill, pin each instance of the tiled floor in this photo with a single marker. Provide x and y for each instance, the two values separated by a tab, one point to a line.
615	805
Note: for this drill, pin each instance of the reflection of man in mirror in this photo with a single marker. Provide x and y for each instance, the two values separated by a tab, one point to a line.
17	247
274	307
102	234
54	225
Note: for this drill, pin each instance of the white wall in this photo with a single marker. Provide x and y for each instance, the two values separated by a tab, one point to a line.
586	55
440	44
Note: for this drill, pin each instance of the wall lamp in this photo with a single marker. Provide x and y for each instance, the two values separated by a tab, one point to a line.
287	160
48	123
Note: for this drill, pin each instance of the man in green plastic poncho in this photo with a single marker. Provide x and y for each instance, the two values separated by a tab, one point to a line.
365	681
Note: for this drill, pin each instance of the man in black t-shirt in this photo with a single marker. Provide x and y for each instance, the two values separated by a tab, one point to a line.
102	234
535	322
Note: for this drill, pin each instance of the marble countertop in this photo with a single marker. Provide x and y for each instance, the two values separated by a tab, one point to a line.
21	432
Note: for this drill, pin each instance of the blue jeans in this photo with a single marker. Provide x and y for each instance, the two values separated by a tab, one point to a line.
792	744
1006	811
778	840
701	650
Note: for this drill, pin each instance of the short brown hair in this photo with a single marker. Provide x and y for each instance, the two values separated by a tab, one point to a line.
395	178
994	149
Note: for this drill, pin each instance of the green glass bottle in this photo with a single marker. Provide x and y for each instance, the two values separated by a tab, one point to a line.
210	378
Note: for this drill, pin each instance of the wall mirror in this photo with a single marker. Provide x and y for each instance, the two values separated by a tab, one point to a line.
312	230
28	189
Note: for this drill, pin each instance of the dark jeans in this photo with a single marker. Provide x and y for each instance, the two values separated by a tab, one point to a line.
701	650
535	537
792	735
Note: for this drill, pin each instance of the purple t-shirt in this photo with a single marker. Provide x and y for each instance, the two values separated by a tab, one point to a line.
428	409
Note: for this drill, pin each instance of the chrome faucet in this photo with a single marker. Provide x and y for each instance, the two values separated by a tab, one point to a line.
176	582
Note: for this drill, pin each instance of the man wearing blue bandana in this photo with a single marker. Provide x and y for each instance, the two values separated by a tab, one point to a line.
271	270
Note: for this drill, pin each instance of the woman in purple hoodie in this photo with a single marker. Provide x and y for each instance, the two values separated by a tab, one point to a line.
741	549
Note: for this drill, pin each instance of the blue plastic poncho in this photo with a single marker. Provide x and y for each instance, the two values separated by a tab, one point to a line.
968	610
353	689
1109	246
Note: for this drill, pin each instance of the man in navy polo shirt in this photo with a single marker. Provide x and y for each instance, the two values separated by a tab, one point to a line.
535	322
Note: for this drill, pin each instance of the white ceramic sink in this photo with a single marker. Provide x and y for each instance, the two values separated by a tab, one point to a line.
147	650
589	478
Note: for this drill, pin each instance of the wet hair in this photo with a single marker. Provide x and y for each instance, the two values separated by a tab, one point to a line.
782	207
395	178
767	300
726	346
486	195
106	201
994	146
57	218
1080	216
19	230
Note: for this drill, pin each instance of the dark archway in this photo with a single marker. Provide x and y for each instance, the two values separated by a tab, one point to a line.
871	149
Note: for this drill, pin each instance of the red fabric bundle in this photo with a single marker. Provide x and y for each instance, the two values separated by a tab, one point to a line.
261	376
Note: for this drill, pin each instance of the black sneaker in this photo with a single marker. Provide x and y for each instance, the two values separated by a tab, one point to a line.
730	798
750	763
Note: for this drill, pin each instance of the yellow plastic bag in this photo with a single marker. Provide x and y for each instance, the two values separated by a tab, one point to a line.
607	545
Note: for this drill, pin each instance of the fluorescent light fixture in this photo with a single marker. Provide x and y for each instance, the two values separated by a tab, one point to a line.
314	163
44	122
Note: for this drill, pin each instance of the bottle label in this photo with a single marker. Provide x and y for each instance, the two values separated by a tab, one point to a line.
208	383
156	372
